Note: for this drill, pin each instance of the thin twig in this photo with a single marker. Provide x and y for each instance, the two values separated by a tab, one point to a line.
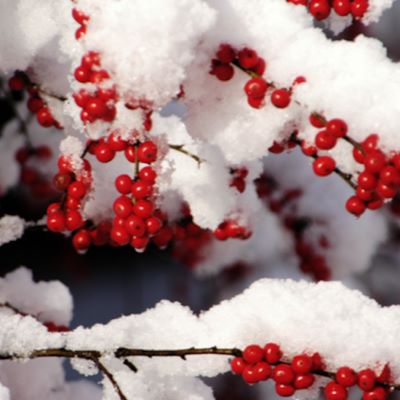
181	149
110	377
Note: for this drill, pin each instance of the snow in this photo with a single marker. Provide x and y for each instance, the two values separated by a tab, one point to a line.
11	228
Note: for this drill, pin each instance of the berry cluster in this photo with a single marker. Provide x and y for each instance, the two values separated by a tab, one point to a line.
66	215
82	19
100	103
36	105
259	364
321	9
380	179
37	183
308	249
256	87
137	219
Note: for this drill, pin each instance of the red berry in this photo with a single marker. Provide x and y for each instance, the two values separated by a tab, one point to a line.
139	243
120	235
367	181
44	117
364	195
163	237
82	240
272	353
319	9
249	374
334	391
304	381
56	221
370	144
308	150
143	208
123	183
389	176
366	379
116	143
374	162
253	354
104	153
80	32
224	72
64	164
82	74
324	165
53	207
255	102
80	17
123	206
284	390
379	393
90	59
141	189
283	373
147	174
130	153
341	7
346	377
375	203
73	220
359	8
325	140
260	67
248	58
237	365
153	225
72	204
302	364
276	148
147	152
355	206
317	120
396	161
280	98
96	107
87	117
135	226
262	371
226	54
99	76
256	87
16	83
358	155
35	104
336	127
76	190
385	191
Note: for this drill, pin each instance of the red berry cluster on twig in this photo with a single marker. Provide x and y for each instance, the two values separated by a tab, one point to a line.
260	364
321	9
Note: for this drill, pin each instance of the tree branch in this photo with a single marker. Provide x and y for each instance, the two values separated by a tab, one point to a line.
181	149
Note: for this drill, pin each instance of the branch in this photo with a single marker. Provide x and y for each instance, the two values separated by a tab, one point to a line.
181	149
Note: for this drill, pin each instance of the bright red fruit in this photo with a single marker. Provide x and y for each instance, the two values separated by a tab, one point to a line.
147	152
324	165
284	390
104	153
123	183
253	354
283	373
302	364
346	377
280	98
355	205
248	58
366	379
320	9
237	365
82	240
272	353
44	117
325	140
256	87
334	391
337	127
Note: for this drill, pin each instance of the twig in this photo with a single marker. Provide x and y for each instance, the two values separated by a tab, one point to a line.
181	149
110	377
